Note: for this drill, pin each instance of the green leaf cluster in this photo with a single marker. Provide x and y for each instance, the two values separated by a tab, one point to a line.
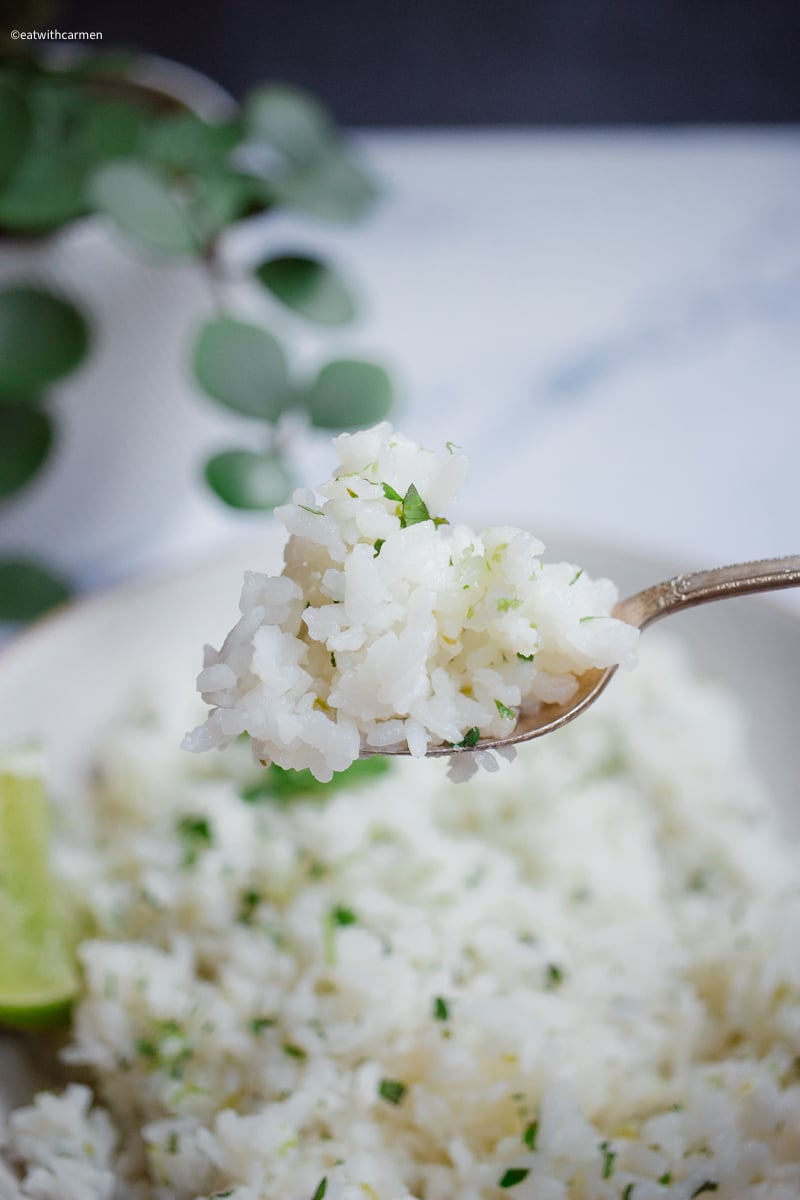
90	139
43	337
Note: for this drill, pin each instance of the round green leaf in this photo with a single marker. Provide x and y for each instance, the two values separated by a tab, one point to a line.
28	590
291	120
15	127
243	367
220	198
47	190
247	480
333	187
185	142
349	395
139	201
108	129
26	436
42	338
310	287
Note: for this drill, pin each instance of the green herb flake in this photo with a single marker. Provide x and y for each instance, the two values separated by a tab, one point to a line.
508	604
708	1185
146	1048
315	512
609	1158
576	577
583	620
379	544
281	785
173	1141
392	1090
322	1188
441	1009
415	510
258	1024
525	657
294	1051
196	833
223	1195
531	1134
333	660
340	915
666	1179
248	903
353	495
513	1176
555	976
506	713
391	494
451	447
627	1191
470	739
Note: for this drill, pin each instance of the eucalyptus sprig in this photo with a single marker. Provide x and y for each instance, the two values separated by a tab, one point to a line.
89	139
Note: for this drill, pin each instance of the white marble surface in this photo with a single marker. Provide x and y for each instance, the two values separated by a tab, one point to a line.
608	323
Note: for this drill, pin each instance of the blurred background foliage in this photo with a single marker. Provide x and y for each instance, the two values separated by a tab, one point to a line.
86	139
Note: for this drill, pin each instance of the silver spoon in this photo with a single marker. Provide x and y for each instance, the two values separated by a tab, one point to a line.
641	610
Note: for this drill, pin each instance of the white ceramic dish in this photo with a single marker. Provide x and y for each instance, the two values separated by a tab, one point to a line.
70	677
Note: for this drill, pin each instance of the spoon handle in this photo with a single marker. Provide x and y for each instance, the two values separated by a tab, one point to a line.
699	587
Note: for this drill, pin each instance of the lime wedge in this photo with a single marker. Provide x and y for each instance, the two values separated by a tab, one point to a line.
38	978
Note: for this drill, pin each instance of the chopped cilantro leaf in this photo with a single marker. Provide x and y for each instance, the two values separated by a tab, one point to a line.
294	1051
379	544
506	713
280	786
259	1023
525	657
339	915
513	1176
627	1191
173	1142
333	660
708	1185
530	1135
316	512
248	903
470	739
196	834
146	1048
576	577
609	1158
222	1195
441	1009
415	510
322	1188
555	976
391	494
351	493
666	1179
441	521
451	446
392	1090
508	604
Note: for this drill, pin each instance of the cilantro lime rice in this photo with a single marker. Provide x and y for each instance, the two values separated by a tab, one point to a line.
575	980
391	627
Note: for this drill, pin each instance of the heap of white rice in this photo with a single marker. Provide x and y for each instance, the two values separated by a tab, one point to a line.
576	980
388	626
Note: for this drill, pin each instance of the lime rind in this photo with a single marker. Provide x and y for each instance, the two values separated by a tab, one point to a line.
38	976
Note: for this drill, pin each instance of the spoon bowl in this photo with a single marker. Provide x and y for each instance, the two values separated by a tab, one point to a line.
640	610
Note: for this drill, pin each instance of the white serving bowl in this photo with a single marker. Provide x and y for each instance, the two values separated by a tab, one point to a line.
71	676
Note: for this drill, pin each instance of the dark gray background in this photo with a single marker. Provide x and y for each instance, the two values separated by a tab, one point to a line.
397	62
